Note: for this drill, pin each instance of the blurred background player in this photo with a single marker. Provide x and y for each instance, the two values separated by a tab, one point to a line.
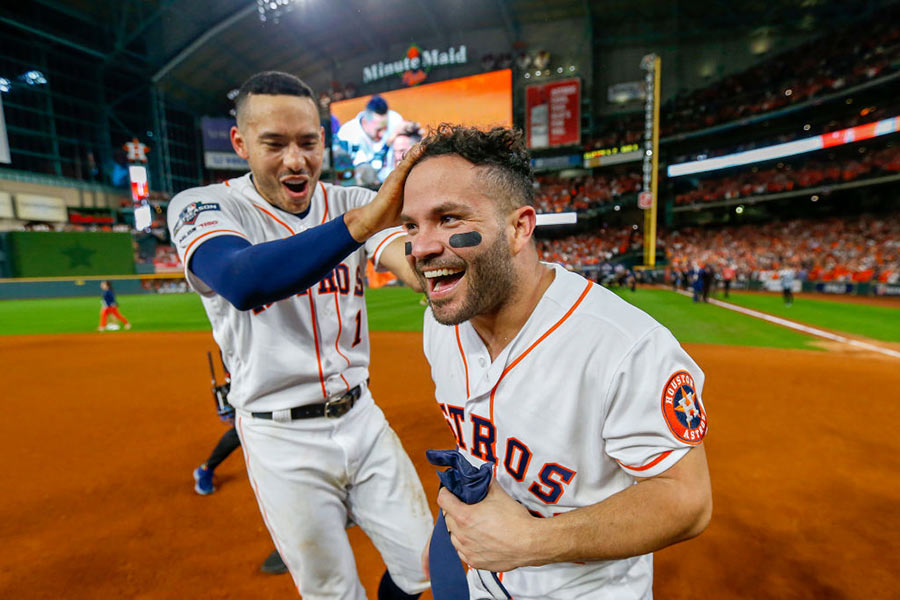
110	307
786	275
228	443
368	138
407	137
728	273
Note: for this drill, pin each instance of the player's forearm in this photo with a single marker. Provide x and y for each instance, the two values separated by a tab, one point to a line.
253	275
641	519
366	221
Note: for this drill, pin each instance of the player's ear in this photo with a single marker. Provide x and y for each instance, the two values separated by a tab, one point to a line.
238	143
523	221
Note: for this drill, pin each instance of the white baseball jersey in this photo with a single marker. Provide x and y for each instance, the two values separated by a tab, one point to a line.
267	349
310	476
589	394
362	148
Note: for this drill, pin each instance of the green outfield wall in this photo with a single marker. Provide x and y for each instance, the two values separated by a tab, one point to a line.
67	254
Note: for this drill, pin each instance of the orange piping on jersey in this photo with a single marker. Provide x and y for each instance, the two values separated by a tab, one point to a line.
227	184
463	354
279	221
387	239
240	426
325	216
312	307
200	237
337	307
652	463
518	359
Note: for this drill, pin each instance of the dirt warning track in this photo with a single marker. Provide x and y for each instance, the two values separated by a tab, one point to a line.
101	432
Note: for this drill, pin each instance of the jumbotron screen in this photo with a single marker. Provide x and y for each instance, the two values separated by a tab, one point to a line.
371	133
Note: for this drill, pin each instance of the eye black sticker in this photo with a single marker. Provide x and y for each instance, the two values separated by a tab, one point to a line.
465	240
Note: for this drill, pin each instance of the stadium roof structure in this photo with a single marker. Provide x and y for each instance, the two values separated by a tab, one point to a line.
197	50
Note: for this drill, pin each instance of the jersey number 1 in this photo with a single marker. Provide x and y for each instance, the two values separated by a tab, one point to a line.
356	338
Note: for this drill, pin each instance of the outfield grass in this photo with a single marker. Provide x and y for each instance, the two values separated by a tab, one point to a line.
390	309
398	309
147	312
394	309
699	323
876	322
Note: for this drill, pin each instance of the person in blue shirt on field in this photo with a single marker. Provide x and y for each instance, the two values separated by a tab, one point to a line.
110	307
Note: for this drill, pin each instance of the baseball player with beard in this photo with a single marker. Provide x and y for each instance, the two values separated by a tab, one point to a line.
277	257
589	410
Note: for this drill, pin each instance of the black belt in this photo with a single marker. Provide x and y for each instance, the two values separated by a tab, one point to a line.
331	409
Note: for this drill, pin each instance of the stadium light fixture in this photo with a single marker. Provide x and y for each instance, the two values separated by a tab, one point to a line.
814	198
34	77
273	10
5	85
232	93
739	209
527	75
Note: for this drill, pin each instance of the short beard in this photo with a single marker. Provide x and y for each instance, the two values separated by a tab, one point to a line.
491	282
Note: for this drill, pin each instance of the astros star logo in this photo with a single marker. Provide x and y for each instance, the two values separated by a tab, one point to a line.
688	407
682	408
78	255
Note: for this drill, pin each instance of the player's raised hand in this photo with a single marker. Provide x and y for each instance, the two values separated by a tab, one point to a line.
384	210
495	534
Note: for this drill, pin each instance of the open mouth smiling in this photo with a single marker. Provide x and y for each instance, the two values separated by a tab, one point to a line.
296	186
442	281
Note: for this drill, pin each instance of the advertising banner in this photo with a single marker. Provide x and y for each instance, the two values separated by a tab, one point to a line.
553	114
217	151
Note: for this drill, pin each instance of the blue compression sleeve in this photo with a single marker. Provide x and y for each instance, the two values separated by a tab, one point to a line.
250	275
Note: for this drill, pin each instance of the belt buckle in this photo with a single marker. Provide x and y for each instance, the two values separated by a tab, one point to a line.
338	408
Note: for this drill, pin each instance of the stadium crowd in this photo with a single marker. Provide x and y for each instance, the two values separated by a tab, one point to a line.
787	177
828	64
554	194
833	62
588	249
859	249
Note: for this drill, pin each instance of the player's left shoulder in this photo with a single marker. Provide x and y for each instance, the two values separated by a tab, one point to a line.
595	308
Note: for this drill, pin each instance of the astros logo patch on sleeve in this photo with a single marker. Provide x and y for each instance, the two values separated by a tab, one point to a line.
683	409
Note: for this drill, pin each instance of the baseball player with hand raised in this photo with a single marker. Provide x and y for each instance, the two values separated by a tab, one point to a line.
588	410
277	257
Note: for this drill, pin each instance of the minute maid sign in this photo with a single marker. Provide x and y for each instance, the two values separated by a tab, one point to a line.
415	65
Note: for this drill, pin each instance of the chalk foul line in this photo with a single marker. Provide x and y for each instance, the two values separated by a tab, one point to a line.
799	326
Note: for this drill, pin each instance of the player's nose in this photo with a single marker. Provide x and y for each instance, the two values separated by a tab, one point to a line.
294	158
425	244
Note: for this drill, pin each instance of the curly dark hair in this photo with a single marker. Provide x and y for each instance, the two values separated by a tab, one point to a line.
272	83
500	151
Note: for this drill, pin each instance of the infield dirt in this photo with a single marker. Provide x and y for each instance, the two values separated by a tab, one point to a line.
101	433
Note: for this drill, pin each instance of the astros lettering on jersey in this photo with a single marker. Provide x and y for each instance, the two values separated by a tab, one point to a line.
591	393
271	370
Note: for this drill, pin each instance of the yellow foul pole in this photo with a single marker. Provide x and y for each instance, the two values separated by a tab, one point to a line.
649	194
